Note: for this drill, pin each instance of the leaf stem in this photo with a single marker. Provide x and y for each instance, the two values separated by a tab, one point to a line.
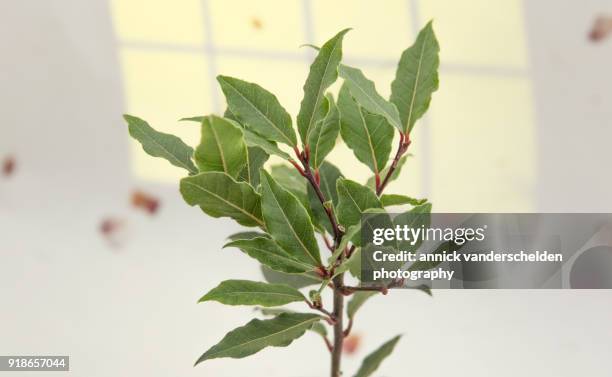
347	290
349	327
384	289
328	243
404	143
330	347
329	316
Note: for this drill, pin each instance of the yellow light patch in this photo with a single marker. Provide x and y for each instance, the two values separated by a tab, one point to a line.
381	30
161	88
480	32
162	21
483	147
257	25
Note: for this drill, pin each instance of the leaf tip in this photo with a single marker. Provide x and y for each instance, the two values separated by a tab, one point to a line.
203	299
130	118
199	360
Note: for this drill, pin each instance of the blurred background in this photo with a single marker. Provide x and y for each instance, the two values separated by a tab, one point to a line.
101	260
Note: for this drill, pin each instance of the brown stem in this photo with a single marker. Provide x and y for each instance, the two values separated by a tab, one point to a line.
404	142
329	316
307	173
384	289
350	251
346	290
328	243
338	327
330	347
349	327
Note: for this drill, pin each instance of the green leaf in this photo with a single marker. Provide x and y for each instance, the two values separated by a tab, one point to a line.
328	174
254	140
258	109
350	233
372	361
256	158
323	73
267	252
388	200
250	138
246	292
324	134
296	281
159	144
288	221
416	78
246	236
290	179
273	311
423	288
317	327
222	147
417	217
382	220
400	164
364	92
257	335
219	195
444	247
359	298
197	119
368	135
379	219
353	200
354	263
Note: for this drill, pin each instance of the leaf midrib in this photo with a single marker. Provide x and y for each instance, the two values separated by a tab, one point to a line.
219	146
266	118
291	227
320	90
288	257
376	104
267	336
416	82
259	221
156	142
241	293
365	127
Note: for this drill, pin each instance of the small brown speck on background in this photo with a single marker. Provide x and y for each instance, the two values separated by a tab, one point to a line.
8	166
602	28
256	23
142	200
113	230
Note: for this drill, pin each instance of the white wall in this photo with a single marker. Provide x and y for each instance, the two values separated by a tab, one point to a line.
572	82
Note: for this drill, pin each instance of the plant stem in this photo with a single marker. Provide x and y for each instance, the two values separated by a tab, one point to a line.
328	344
338	310
338	313
404	143
307	173
330	214
330	316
